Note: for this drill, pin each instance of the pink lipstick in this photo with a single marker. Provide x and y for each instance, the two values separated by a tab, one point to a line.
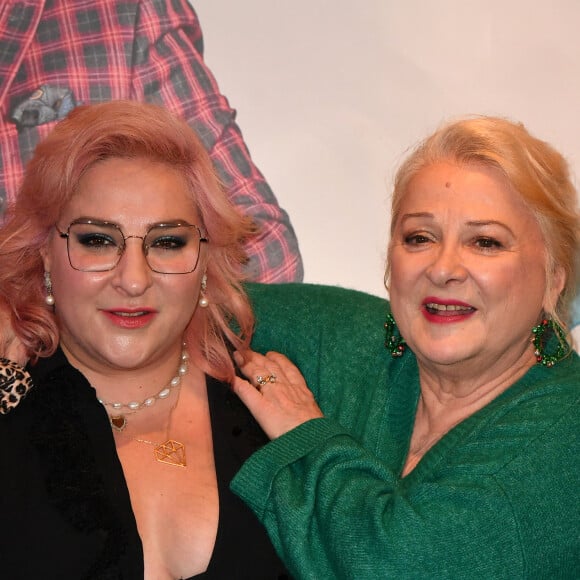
130	318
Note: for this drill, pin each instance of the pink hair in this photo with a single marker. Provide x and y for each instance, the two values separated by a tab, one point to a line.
125	129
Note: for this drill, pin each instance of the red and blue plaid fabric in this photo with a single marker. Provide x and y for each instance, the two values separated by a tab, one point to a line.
88	51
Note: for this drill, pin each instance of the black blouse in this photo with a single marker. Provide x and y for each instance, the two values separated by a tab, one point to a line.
65	510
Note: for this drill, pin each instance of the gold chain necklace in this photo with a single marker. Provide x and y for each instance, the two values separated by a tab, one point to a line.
171	452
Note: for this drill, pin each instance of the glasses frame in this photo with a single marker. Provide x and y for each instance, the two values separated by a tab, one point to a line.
66	235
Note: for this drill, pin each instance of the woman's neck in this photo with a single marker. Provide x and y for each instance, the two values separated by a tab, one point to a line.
446	399
130	381
468	383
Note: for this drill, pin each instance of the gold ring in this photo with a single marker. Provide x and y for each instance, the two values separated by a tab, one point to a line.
265	379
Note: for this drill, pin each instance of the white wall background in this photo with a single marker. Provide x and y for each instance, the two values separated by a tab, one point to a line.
330	93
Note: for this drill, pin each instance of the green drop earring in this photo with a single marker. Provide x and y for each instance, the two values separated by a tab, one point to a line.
394	342
540	341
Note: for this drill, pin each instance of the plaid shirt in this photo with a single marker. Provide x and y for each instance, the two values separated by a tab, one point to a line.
87	51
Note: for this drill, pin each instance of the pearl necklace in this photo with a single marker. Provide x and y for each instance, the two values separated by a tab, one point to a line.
118	419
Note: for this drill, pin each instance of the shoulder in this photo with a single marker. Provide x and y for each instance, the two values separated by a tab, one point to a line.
314	301
335	336
153	10
535	437
532	426
548	392
308	311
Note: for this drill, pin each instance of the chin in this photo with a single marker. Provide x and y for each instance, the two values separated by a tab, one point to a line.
126	356
444	354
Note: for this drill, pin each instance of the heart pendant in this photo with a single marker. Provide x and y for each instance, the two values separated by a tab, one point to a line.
118	422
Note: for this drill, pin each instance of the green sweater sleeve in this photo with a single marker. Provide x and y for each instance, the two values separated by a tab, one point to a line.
495	498
337	510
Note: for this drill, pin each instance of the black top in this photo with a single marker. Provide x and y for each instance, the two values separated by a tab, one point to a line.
65	510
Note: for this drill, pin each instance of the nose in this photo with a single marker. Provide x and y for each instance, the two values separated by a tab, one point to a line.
447	266
132	274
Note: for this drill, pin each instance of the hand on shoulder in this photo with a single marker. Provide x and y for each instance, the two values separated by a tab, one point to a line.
275	392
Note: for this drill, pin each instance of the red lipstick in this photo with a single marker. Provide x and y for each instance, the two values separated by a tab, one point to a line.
445	311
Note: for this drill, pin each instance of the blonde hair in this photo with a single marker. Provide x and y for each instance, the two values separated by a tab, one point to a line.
535	170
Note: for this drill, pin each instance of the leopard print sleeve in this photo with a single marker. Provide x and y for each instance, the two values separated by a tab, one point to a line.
15	382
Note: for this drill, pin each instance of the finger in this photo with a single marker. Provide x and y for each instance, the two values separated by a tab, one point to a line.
275	416
247	392
249	358
285	367
258	368
265	379
256	404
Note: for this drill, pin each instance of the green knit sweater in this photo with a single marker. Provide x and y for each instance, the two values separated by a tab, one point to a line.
497	497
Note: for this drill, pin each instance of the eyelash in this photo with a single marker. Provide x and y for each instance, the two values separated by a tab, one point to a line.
95	241
492	243
416	239
484	243
168	243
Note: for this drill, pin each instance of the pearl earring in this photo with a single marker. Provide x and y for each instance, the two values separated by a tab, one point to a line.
49	298
203	300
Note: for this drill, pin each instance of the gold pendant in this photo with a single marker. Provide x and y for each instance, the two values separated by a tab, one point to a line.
171	452
118	422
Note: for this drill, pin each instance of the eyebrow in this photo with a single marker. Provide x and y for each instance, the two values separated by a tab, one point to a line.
483	223
472	223
417	215
102	221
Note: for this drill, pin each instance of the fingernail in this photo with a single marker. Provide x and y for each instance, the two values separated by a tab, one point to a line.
238	358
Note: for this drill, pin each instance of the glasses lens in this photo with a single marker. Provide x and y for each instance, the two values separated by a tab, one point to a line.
94	247
172	249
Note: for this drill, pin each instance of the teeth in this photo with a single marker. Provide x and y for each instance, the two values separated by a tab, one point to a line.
129	314
447	307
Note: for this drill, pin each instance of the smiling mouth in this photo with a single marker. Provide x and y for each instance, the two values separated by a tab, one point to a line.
448	309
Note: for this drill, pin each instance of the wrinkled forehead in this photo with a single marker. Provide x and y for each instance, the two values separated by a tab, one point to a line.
479	191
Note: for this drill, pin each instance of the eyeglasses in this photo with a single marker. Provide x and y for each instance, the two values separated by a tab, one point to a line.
96	246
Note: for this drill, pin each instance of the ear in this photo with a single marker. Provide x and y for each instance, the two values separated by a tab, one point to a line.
203	258
46	255
554	289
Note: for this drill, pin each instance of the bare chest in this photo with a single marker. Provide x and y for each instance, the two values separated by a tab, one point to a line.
176	508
